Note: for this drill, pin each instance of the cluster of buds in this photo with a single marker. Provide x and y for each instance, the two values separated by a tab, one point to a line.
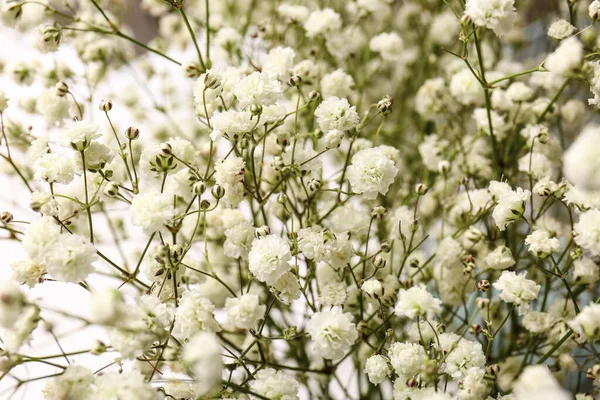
469	264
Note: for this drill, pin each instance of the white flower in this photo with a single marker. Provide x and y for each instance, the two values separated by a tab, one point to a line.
53	107
501	258
335	113
228	38
377	369
594	9
372	287
566	58
245	311
274	385
510	207
541	244
322	22
581	164
537	383
349	218
388	44
536	164
473	386
496	15
77	134
407	358
151	210
53	167
258	88
279	62
294	12
70	258
462	355
561	29
333	139
126	385
229	170
28	271
587	322
333	294
585	271
287	288
587	231
482	121
429	100
74	383
519	92
238	240
465	87
538	322
232	123
195	313
324	246
269	258
371	172
417	301
337	83
332	333
517	289
202	355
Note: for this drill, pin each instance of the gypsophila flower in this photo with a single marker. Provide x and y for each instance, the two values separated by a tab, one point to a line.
258	88
510	207
203	356
372	287
541	244
417	301
70	258
517	289
269	258
587	322
587	231
377	369
537	382
501	258
74	383
195	313
332	333
566	58
151	210
275	385
407	358
322	22
561	29
244	312
585	271
336	113
497	15
371	172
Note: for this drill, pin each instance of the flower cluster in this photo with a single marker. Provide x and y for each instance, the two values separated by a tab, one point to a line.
287	200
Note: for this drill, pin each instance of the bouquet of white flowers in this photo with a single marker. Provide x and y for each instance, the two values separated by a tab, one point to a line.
365	199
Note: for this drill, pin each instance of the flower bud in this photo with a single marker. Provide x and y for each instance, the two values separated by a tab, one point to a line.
543	135
314	185
204	204
212	80
483	285
378	212
295	80
593	372
262	231
314	96
191	70
256	109
493	369
61	89
111	189
105	105
443	167
421	189
199	188
6	217
482	302
166	150
385	246
379	262
132	133
475	329
282	198
411	383
385	105
218	192
176	251
98	348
